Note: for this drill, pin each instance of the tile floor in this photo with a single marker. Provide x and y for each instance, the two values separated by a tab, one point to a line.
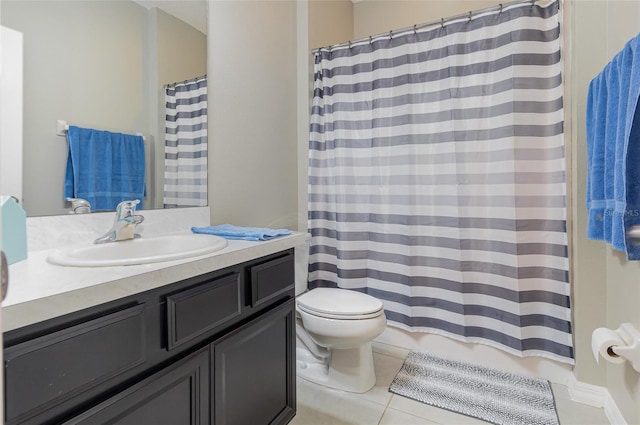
318	405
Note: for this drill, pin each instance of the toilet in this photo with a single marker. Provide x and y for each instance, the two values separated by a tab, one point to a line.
334	329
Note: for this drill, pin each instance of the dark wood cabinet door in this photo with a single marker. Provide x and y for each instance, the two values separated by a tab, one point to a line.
177	395
254	380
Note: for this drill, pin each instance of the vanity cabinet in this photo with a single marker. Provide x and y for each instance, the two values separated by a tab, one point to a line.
217	349
253	383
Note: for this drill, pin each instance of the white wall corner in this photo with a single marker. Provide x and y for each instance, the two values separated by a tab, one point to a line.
596	396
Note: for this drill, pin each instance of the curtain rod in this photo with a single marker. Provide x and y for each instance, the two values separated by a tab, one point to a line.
192	80
469	15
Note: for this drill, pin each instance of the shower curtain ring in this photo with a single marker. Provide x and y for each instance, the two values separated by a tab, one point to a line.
441	22
500	13
415	29
349	43
370	40
470	15
391	34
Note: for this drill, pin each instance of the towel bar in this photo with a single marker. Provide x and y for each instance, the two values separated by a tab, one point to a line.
62	127
634	232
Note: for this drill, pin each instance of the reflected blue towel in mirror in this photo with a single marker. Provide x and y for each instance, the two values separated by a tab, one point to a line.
229	231
104	168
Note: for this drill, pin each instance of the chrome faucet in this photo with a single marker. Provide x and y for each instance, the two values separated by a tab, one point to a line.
124	223
79	206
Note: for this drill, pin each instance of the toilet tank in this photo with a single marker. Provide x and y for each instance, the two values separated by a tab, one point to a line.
302	265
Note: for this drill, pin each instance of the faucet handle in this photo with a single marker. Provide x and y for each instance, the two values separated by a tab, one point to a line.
130	204
126	207
79	206
125	213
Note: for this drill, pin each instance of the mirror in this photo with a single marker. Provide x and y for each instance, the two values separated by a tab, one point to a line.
103	65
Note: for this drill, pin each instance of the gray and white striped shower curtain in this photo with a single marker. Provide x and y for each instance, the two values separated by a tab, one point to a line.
437	179
185	156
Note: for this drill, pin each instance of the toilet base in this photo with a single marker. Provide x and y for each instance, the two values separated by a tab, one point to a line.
348	369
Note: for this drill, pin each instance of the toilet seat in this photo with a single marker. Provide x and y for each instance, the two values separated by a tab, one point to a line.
343	304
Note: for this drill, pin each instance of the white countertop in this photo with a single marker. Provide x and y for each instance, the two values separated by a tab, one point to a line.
39	290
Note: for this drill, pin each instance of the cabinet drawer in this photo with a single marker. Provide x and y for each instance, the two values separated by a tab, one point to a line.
200	309
50	369
271	279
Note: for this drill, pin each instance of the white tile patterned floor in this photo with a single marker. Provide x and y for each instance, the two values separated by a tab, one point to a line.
318	405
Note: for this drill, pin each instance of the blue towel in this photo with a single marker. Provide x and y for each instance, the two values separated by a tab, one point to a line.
596	125
613	154
631	164
229	231
104	168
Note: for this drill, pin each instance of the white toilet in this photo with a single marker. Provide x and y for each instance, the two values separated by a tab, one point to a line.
334	333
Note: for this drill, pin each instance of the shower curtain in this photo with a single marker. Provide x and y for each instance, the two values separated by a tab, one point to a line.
185	166
437	179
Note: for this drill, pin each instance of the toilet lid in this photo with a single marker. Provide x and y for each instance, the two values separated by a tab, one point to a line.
338	302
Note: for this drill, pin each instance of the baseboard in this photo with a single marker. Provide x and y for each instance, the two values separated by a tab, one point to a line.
389	350
596	396
613	413
580	392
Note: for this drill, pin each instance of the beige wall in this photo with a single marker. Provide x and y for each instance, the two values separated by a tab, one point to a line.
373	17
252	68
330	22
587	257
606	286
182	50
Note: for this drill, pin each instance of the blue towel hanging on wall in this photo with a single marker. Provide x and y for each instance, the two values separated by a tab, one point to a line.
613	151
104	168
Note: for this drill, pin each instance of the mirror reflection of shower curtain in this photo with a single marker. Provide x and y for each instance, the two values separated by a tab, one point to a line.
185	157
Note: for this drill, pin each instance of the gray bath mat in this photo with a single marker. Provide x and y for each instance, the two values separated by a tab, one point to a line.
491	395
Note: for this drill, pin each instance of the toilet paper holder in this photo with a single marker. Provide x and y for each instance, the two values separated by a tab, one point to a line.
631	351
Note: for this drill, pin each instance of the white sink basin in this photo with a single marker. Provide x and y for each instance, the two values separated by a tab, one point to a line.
138	251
